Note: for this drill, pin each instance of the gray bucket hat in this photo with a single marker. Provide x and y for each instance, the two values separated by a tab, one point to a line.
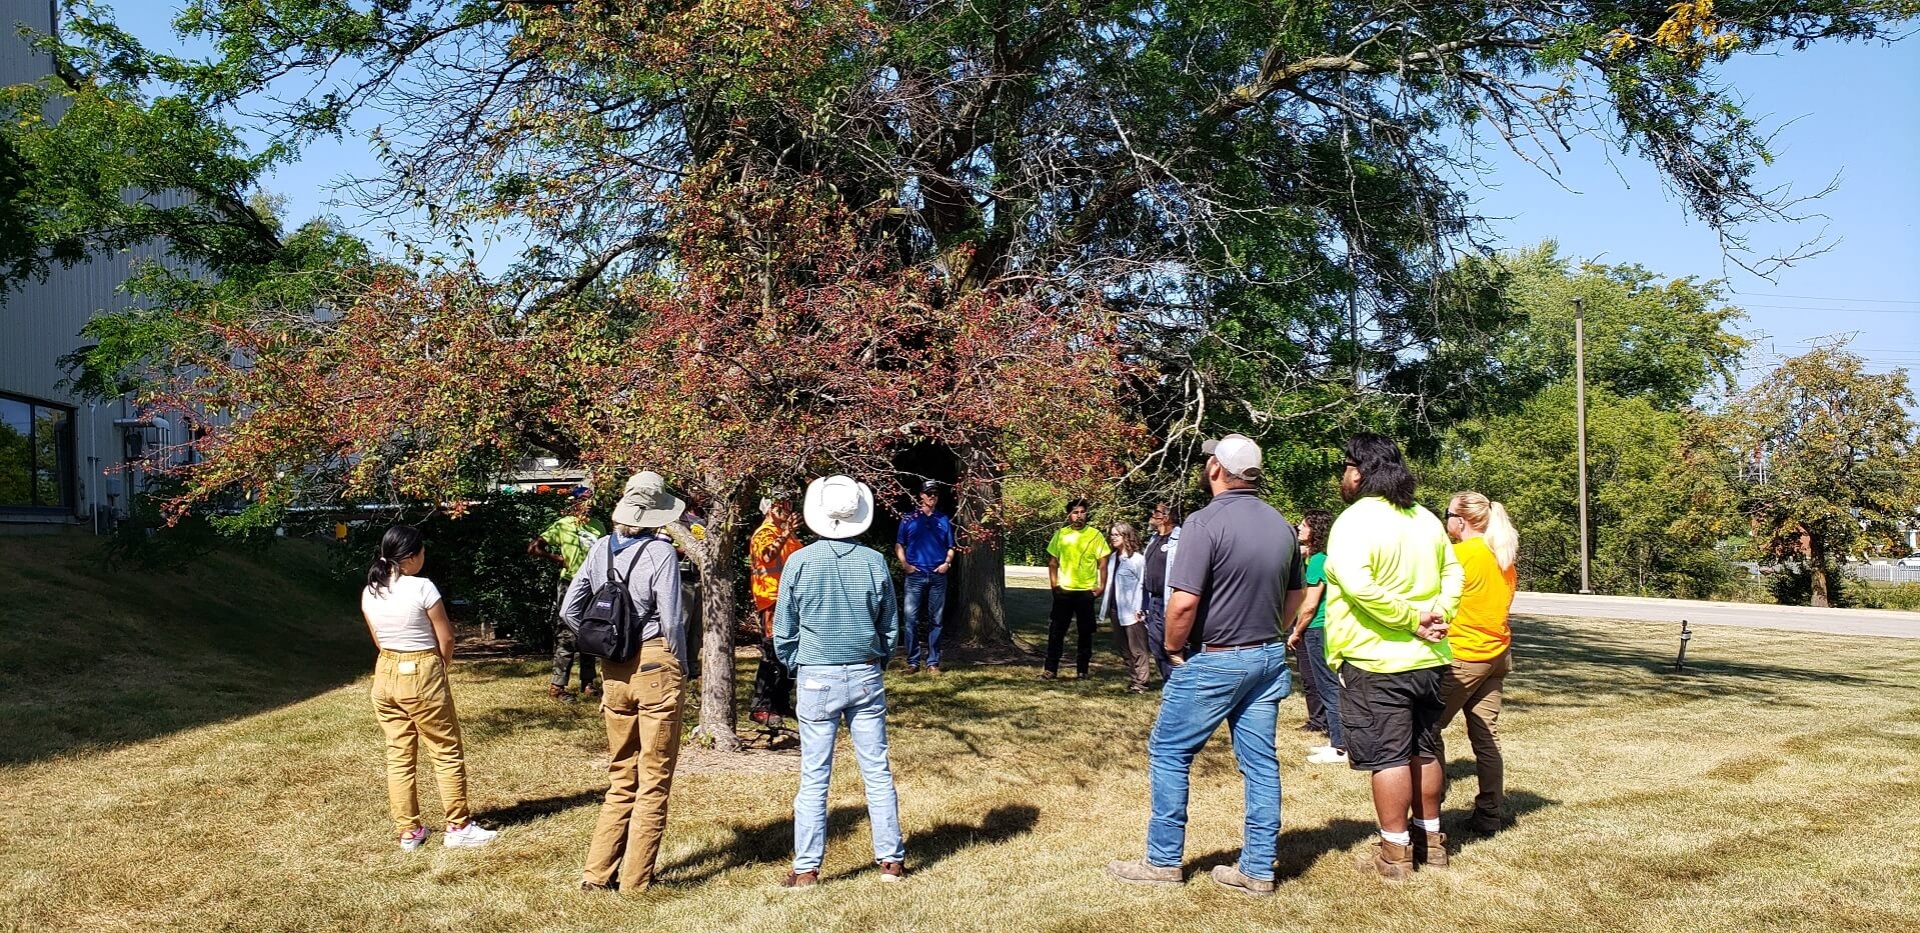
646	503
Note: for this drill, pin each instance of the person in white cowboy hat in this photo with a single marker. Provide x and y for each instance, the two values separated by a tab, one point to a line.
640	696
835	623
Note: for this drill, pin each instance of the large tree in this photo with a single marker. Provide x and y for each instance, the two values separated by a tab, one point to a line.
1833	461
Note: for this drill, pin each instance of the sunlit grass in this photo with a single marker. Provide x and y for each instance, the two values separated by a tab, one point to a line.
1772	787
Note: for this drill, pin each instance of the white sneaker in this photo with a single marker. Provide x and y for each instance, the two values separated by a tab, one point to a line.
1324	755
470	836
414	839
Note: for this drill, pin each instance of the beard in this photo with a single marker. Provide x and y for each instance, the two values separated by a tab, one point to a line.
1349	493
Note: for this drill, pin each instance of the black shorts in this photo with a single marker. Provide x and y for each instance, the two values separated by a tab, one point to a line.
1390	719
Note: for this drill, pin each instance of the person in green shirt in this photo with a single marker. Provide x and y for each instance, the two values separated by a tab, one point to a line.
567	542
1077	570
1309	641
1396	587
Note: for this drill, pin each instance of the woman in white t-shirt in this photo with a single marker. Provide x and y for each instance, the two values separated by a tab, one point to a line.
410	694
1125	569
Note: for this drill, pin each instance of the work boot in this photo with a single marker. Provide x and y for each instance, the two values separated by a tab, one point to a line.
1232	877
1137	871
1486	823
1391	861
1428	850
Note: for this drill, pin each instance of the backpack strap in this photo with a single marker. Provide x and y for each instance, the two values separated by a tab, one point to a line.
635	562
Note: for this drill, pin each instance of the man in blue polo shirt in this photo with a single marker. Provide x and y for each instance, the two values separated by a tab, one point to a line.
1237	574
925	549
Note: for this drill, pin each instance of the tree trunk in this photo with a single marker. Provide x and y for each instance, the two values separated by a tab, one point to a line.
1817	571
980	614
715	559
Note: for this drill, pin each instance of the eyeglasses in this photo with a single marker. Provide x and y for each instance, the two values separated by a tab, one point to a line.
1349	465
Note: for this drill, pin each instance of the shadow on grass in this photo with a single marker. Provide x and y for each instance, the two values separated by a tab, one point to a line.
771	842
1301	848
1577	669
526	811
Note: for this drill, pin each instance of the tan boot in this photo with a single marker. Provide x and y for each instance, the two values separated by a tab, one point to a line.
1391	861
1428	850
1137	871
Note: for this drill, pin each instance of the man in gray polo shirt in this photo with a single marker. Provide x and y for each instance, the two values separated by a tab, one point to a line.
1236	576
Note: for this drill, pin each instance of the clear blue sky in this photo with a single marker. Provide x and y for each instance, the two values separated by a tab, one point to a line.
1851	111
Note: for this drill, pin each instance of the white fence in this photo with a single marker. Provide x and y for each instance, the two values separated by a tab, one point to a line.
1884	573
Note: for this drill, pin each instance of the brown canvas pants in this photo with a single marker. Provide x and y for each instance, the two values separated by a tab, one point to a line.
640	701
414	705
1131	642
1473	687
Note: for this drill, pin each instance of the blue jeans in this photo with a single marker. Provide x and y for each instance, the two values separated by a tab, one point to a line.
830	693
1242	688
932	588
1313	650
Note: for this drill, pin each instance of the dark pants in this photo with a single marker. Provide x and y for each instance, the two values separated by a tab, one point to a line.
1303	674
1077	608
1313	657
772	685
564	649
1157	634
926	602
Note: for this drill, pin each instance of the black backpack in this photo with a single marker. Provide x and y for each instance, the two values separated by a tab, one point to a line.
608	629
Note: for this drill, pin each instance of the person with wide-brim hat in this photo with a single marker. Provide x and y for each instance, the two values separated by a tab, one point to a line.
641	695
835	623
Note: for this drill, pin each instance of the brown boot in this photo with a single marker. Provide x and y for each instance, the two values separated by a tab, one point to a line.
1428	850
1137	871
1391	861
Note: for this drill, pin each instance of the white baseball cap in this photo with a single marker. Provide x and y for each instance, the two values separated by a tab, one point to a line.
1238	455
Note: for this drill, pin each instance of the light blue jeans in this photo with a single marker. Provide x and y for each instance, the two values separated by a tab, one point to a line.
829	694
1244	689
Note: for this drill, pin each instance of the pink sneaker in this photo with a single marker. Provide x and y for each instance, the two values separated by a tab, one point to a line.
413	838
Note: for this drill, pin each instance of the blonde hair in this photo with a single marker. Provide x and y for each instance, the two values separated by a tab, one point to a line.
1125	530
1490	519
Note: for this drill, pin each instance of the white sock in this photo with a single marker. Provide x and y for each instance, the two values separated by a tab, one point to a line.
1432	825
1399	839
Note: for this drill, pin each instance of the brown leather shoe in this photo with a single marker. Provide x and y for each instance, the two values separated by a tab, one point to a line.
1231	876
933	668
1486	823
893	871
801	879
1392	862
1428	850
1137	871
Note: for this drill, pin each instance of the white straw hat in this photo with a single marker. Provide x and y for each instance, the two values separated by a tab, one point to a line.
838	507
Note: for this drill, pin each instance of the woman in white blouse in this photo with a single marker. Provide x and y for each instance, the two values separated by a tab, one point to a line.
1125	569
410	693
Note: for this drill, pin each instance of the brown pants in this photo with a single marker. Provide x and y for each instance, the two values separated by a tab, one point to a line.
414	705
1131	642
640	701
1473	687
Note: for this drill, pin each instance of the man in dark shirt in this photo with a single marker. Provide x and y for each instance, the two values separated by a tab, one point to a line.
1159	551
1237	574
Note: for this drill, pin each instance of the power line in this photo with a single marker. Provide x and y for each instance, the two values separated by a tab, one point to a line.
1748	304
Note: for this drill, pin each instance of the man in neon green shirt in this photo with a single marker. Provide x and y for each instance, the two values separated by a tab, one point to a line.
1077	568
567	542
1394	585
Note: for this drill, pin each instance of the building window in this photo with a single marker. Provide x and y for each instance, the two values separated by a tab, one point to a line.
36	455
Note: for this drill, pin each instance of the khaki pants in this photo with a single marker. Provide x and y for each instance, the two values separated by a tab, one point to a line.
1473	687
640	701
1131	642
414	705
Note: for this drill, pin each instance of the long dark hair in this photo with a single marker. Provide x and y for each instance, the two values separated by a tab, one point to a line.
1382	472
1321	521
399	543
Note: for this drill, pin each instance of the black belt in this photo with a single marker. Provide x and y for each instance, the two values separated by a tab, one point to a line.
1251	644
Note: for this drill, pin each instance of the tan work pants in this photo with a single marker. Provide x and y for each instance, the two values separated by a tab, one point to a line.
414	705
640	702
1131	642
1473	687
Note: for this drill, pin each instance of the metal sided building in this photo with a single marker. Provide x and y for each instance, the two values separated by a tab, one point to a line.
63	459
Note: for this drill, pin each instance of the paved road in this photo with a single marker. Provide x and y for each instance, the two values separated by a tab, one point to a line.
1748	615
1790	618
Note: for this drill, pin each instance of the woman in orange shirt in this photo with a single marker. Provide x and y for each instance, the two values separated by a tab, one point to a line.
1486	545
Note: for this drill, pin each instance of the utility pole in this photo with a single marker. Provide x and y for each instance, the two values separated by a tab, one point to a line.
1580	422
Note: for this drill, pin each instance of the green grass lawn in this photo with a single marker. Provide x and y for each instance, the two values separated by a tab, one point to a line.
217	767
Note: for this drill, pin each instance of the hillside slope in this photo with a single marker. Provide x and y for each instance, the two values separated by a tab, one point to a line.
93	654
